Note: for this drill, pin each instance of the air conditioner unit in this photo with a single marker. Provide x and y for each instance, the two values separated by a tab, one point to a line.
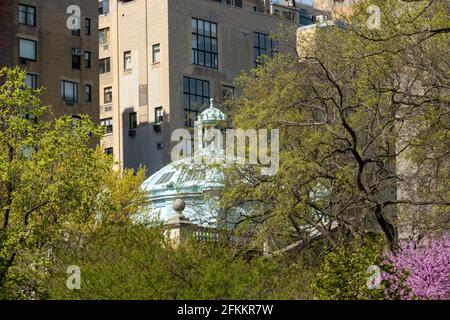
132	133
77	51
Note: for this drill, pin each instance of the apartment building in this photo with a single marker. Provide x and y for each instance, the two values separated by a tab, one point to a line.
303	14
337	8
34	35
162	60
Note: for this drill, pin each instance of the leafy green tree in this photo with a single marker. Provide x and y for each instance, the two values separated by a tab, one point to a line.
53	186
345	272
363	118
139	262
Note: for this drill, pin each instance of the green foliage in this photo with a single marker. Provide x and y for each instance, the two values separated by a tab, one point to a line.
362	114
53	186
138	262
344	272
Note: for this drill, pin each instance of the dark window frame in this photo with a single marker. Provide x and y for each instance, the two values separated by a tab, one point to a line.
159	115
105	32
76	61
108	124
226	91
34	80
87	26
76	32
202	43
27	15
88	92
35	49
156	48
109	151
132	123
127	54
63	91
102	9
88	59
269	47
191	97
107	66
107	91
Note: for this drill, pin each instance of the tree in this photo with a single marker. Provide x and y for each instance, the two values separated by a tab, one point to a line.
419	270
363	117
347	270
53	186
139	262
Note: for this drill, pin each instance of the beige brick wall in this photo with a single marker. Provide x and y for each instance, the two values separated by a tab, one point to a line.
136	26
54	52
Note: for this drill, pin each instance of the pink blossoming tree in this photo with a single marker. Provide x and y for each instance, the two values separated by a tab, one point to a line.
419	270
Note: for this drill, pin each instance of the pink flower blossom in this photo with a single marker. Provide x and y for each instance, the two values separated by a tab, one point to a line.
419	270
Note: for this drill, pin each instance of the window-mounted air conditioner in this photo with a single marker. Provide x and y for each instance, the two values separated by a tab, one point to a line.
77	51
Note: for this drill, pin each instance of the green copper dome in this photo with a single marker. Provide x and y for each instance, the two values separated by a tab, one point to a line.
188	179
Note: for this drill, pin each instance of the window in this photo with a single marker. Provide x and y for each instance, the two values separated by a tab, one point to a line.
69	91
27	15
156	53
109	151
288	15
76	60
159	115
87	26
87	59
127	60
195	98
227	92
88	92
107	95
165	177
263	45
105	66
236	3
204	43
133	120
103	36
31	81
27	49
76	32
108	124
306	18
103	7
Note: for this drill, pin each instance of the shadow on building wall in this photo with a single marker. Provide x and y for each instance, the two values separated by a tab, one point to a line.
142	142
